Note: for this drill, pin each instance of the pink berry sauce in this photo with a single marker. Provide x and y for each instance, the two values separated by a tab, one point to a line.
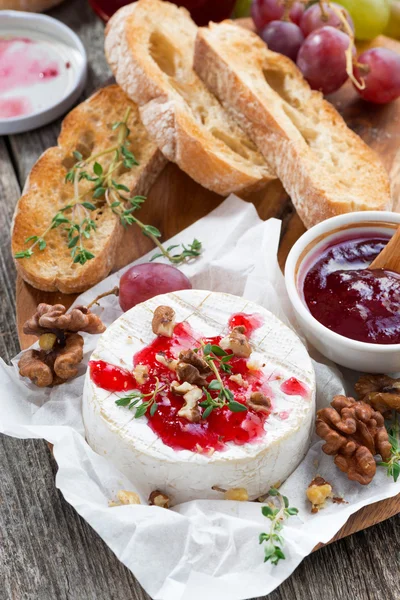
23	64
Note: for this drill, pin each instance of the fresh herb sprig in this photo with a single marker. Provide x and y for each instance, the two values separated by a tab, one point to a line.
132	400
277	511
393	464
217	359
75	217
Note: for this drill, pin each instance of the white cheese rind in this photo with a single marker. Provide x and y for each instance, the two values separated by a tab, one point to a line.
184	475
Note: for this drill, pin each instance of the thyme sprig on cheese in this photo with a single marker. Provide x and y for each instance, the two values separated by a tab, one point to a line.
75	218
132	400
277	511
217	358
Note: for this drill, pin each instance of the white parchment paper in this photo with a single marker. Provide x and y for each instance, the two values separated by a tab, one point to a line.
202	549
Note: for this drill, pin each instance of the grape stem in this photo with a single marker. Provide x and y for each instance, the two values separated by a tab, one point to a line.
113	292
349	52
288	8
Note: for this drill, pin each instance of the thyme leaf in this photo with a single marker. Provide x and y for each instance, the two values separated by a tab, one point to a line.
147	401
277	511
74	217
392	466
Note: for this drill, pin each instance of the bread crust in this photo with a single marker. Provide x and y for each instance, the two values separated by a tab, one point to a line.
149	46
29	5
324	166
88	129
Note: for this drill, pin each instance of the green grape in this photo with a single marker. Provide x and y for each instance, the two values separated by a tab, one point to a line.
370	16
393	28
242	9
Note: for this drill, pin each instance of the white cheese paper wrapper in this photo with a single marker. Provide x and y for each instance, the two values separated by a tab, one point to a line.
202	549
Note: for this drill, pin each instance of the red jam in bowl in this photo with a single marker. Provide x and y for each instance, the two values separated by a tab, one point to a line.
347	297
222	425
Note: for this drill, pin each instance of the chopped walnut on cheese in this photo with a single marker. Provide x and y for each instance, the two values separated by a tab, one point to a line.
237	342
163	322
238	379
190	410
170	363
141	374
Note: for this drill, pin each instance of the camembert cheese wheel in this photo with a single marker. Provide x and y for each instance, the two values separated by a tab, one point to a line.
247	420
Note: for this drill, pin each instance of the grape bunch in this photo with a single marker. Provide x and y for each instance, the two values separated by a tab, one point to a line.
320	39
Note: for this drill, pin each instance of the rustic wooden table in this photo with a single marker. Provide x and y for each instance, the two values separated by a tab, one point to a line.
47	551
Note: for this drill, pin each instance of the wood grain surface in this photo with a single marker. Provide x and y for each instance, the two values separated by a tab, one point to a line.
46	550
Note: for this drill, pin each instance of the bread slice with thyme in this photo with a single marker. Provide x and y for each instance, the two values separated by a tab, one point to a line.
68	225
324	166
149	46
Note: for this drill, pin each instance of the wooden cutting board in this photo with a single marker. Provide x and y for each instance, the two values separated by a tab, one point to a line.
175	202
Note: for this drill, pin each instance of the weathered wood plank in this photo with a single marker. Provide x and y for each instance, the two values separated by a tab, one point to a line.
77	14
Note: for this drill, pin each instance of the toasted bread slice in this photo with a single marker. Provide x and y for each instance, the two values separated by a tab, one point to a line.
325	167
149	46
88	130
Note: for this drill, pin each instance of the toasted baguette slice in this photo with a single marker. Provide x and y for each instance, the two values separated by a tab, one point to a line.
88	130
149	46
325	167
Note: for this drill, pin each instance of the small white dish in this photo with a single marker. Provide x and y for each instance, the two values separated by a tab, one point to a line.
360	356
43	69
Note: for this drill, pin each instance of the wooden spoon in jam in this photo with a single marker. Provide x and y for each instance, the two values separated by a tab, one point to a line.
389	258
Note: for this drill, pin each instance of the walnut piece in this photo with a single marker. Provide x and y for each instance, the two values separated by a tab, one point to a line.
191	357
163	322
141	374
259	402
68	357
380	391
126	497
181	388
170	363
237	342
354	433
61	347
238	494
49	318
318	492
238	379
190	374
33	366
190	410
157	498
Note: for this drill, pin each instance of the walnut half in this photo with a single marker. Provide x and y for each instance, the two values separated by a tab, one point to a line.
237	342
61	346
380	391
354	433
259	402
163	322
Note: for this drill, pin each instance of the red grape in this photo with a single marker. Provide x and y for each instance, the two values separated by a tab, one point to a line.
141	282
322	59
283	37
296	12
265	11
314	18
381	75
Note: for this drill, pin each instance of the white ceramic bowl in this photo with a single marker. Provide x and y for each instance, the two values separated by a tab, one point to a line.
361	356
67	48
